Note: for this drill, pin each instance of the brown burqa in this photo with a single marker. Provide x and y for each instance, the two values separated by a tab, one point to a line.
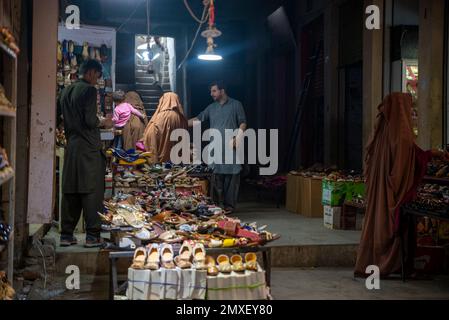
135	127
394	166
169	116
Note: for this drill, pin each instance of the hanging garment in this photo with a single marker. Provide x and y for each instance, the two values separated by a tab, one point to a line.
169	116
394	166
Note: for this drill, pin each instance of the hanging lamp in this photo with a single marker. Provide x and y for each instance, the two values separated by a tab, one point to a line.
210	33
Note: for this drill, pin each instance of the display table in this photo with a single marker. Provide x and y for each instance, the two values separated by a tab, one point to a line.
165	284
409	216
114	288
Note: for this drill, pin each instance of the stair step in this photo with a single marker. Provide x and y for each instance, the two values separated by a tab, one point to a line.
149	92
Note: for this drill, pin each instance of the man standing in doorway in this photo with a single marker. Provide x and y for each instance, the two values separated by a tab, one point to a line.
85	161
225	113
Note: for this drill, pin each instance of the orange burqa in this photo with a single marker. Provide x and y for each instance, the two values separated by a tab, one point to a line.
135	127
169	116
394	166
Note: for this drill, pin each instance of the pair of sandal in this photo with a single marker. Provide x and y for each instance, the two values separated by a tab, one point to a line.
153	257
188	253
226	265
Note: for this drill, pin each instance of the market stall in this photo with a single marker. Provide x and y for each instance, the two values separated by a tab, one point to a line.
161	217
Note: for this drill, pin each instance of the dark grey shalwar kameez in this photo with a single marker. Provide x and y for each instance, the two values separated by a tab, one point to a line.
226	176
85	162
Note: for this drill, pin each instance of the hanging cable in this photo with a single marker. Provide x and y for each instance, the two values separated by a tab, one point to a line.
148	18
130	16
204	18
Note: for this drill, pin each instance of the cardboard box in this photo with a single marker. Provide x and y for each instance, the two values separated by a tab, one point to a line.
332	217
293	193
336	192
352	216
311	196
333	193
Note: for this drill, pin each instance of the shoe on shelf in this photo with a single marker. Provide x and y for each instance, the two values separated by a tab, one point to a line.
223	264
94	242
185	254
167	256
251	261
199	256
153	258
67	241
237	263
212	269
140	256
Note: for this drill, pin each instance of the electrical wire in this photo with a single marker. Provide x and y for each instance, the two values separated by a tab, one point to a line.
148	20
204	18
130	16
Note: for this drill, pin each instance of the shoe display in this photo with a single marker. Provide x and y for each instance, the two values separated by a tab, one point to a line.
5	232
6	290
212	269
199	256
185	255
237	263
167	256
4	102
251	261
153	258
140	256
8	39
224	266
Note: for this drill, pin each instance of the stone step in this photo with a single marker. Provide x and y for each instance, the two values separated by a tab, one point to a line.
150	99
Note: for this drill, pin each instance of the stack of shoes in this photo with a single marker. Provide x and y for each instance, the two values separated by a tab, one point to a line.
6	291
4	102
5	168
8	39
5	232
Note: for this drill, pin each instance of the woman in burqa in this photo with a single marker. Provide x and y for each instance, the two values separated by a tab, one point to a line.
135	127
169	116
394	167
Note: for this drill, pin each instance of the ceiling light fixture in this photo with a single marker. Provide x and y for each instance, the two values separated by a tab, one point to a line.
211	33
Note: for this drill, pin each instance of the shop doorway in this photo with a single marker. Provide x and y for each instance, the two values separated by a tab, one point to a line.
155	69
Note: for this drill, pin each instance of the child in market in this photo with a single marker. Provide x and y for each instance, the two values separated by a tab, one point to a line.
122	114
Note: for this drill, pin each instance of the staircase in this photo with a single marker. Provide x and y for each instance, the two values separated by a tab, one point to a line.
148	90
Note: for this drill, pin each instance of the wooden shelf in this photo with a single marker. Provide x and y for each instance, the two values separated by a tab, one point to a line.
435	180
8	50
7	112
8	177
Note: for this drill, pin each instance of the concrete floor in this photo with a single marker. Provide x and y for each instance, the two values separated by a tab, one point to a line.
287	284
